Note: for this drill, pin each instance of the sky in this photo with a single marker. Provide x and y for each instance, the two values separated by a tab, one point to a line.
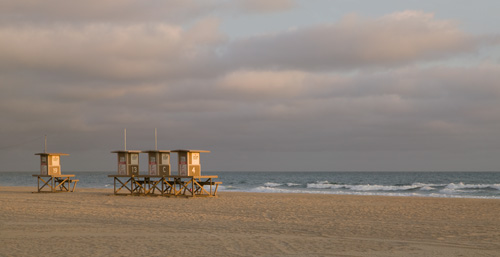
265	85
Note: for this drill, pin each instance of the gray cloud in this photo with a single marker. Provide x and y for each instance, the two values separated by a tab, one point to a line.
107	51
444	101
354	42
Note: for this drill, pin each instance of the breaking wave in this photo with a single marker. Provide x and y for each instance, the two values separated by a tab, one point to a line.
454	190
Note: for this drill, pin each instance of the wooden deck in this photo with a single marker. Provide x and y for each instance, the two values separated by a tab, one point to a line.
187	186
56	183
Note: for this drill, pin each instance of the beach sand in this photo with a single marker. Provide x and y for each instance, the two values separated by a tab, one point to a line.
94	222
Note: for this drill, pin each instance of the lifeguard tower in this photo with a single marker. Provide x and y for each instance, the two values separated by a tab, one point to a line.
128	162
50	173
158	162
189	162
50	163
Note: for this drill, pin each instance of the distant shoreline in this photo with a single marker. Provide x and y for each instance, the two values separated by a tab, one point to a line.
109	191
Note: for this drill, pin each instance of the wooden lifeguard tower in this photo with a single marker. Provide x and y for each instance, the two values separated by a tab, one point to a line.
158	162
51	175
50	163
189	162
128	162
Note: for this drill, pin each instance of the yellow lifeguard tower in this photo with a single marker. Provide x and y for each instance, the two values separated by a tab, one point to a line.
158	162
50	163
128	162
189	162
50	176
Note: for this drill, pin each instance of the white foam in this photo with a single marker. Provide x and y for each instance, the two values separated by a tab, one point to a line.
272	184
319	185
461	185
448	191
381	187
426	185
323	185
369	187
264	189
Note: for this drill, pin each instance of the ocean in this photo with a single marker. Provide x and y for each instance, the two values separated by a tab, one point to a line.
408	184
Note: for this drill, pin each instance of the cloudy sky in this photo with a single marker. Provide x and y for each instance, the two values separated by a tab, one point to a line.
266	85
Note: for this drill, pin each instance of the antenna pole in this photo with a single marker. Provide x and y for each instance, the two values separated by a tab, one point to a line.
125	135
45	145
156	140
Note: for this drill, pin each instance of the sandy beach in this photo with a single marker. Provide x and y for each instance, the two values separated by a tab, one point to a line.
93	222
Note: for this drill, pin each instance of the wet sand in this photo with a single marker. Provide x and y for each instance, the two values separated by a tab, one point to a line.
94	222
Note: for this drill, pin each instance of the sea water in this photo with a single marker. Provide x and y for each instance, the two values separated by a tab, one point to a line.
430	184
